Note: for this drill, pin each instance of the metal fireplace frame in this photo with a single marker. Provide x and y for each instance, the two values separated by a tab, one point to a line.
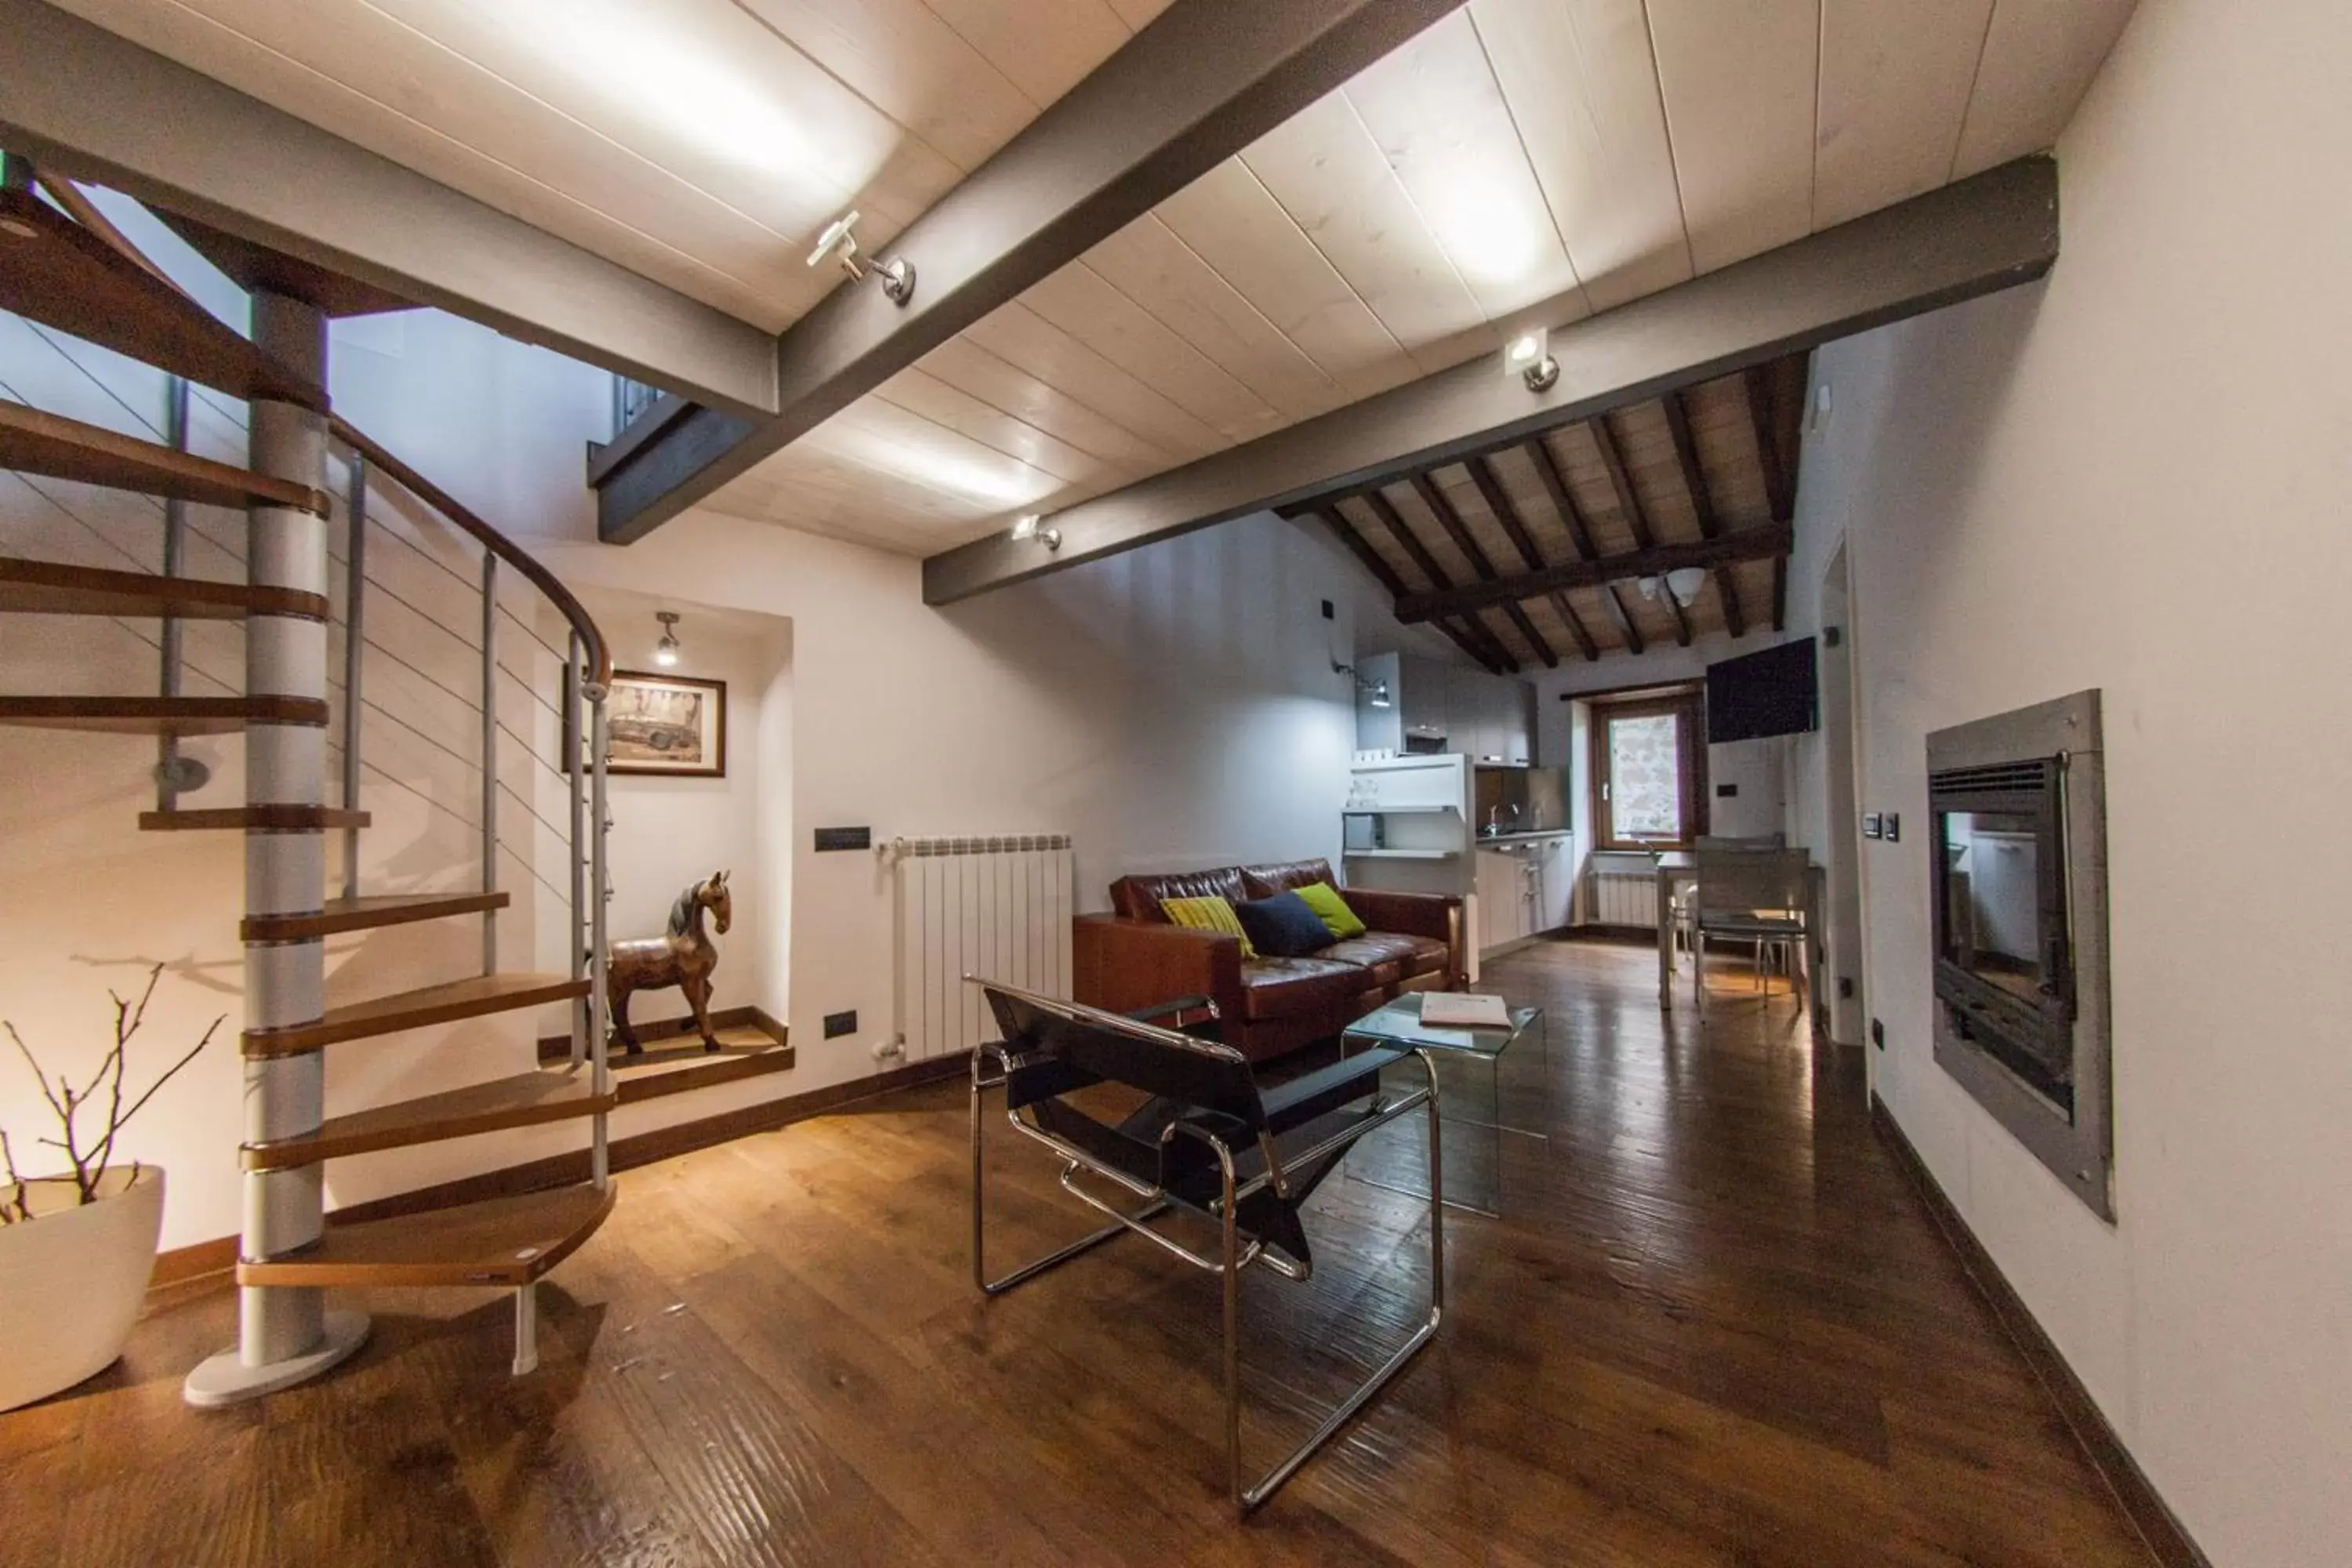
2076	1143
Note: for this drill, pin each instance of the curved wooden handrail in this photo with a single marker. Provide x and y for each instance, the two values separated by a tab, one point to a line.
600	662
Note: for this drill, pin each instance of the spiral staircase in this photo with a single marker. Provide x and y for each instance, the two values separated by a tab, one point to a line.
65	266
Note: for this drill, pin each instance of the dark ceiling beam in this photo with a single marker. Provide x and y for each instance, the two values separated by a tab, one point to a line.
1702	500
1465	540
1779	483
1991	231
1386	575
82	102
1780	593
1498	501
1637	521
1474	636
1759	543
1201	81
1579	531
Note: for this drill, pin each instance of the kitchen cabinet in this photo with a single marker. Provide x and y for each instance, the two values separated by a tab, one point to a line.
1421	699
1502	897
1555	884
1486	718
1525	886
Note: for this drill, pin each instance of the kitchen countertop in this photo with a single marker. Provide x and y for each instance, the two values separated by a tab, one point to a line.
1528	837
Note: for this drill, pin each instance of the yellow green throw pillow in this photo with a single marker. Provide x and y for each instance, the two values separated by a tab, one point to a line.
1208	914
1331	910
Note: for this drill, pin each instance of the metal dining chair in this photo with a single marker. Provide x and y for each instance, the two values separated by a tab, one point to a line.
1755	896
1682	908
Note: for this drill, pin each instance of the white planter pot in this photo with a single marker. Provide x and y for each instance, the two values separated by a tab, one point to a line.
72	1278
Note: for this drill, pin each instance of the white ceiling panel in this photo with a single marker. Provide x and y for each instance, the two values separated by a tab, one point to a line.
1583	89
1520	160
1738	80
2039	59
1896	76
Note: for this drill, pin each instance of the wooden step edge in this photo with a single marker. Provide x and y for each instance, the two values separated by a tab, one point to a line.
161	715
367	913
56	588
528	1099
499	1243
252	819
730	1067
39	442
413	1010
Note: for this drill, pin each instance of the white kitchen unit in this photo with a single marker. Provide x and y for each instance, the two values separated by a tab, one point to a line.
1406	824
1524	883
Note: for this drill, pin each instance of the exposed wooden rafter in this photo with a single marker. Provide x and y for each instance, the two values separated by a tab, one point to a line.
1498	501
1200	82
1727	586
1986	233
1637	521
1770	540
1473	635
1459	532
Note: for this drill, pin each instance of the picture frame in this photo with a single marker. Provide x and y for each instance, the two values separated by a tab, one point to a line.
668	726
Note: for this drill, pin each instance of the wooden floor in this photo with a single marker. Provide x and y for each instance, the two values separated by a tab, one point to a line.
1714	1327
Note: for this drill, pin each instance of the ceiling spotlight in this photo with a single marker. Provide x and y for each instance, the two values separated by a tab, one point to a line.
666	651
1528	356
898	273
1026	529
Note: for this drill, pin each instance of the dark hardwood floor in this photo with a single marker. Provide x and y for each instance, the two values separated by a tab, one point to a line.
1714	1327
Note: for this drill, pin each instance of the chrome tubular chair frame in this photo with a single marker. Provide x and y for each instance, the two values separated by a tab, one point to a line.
993	1067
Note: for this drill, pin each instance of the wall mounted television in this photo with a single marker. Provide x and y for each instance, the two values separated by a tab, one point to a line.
1769	694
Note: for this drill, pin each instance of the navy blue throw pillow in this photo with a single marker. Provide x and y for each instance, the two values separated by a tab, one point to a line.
1284	926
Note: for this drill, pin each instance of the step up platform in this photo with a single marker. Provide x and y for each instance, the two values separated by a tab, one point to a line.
53	588
470	998
503	1242
55	272
159	715
34	442
523	1100
366	912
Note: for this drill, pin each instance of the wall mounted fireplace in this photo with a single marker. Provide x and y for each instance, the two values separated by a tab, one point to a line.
2020	857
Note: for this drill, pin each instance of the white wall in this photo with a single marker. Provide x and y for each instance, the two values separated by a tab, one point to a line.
1172	707
2131	478
669	833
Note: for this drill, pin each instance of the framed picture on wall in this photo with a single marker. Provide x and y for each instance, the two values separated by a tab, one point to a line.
669	724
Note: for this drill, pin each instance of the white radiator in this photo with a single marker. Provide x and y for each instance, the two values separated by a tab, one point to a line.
995	907
1623	895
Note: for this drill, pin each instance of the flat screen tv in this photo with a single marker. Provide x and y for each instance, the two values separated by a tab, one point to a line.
1760	694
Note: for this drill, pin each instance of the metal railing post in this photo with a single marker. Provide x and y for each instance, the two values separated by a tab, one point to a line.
169	775
489	756
600	890
575	785
355	631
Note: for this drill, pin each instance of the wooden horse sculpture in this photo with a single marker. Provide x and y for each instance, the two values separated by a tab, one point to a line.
684	958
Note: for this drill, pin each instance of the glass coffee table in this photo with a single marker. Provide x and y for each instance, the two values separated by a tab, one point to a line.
1477	1152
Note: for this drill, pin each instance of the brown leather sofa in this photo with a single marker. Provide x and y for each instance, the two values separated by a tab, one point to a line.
1136	957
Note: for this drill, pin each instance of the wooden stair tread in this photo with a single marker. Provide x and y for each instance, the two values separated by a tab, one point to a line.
34	442
55	272
472	997
500	1242
523	1100
159	715
367	912
55	588
251	818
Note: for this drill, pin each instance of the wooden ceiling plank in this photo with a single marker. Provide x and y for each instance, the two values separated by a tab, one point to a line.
1996	231
1384	573
1204	81
1472	633
1554	484
1727	585
1498	501
1629	500
1743	544
1450	518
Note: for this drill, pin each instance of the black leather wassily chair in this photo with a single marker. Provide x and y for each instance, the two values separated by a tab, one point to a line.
1209	1145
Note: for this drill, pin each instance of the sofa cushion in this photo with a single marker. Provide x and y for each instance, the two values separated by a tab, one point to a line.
1385	957
1264	882
1283	926
1331	909
1288	987
1208	914
1137	898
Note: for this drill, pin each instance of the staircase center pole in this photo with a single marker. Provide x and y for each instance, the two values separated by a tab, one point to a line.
284	1334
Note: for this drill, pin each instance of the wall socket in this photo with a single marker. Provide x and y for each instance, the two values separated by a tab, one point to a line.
839	1023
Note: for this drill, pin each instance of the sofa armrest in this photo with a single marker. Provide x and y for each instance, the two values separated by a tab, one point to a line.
1438	916
1122	964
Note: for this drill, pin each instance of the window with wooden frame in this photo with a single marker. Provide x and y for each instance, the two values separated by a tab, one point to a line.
1649	772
